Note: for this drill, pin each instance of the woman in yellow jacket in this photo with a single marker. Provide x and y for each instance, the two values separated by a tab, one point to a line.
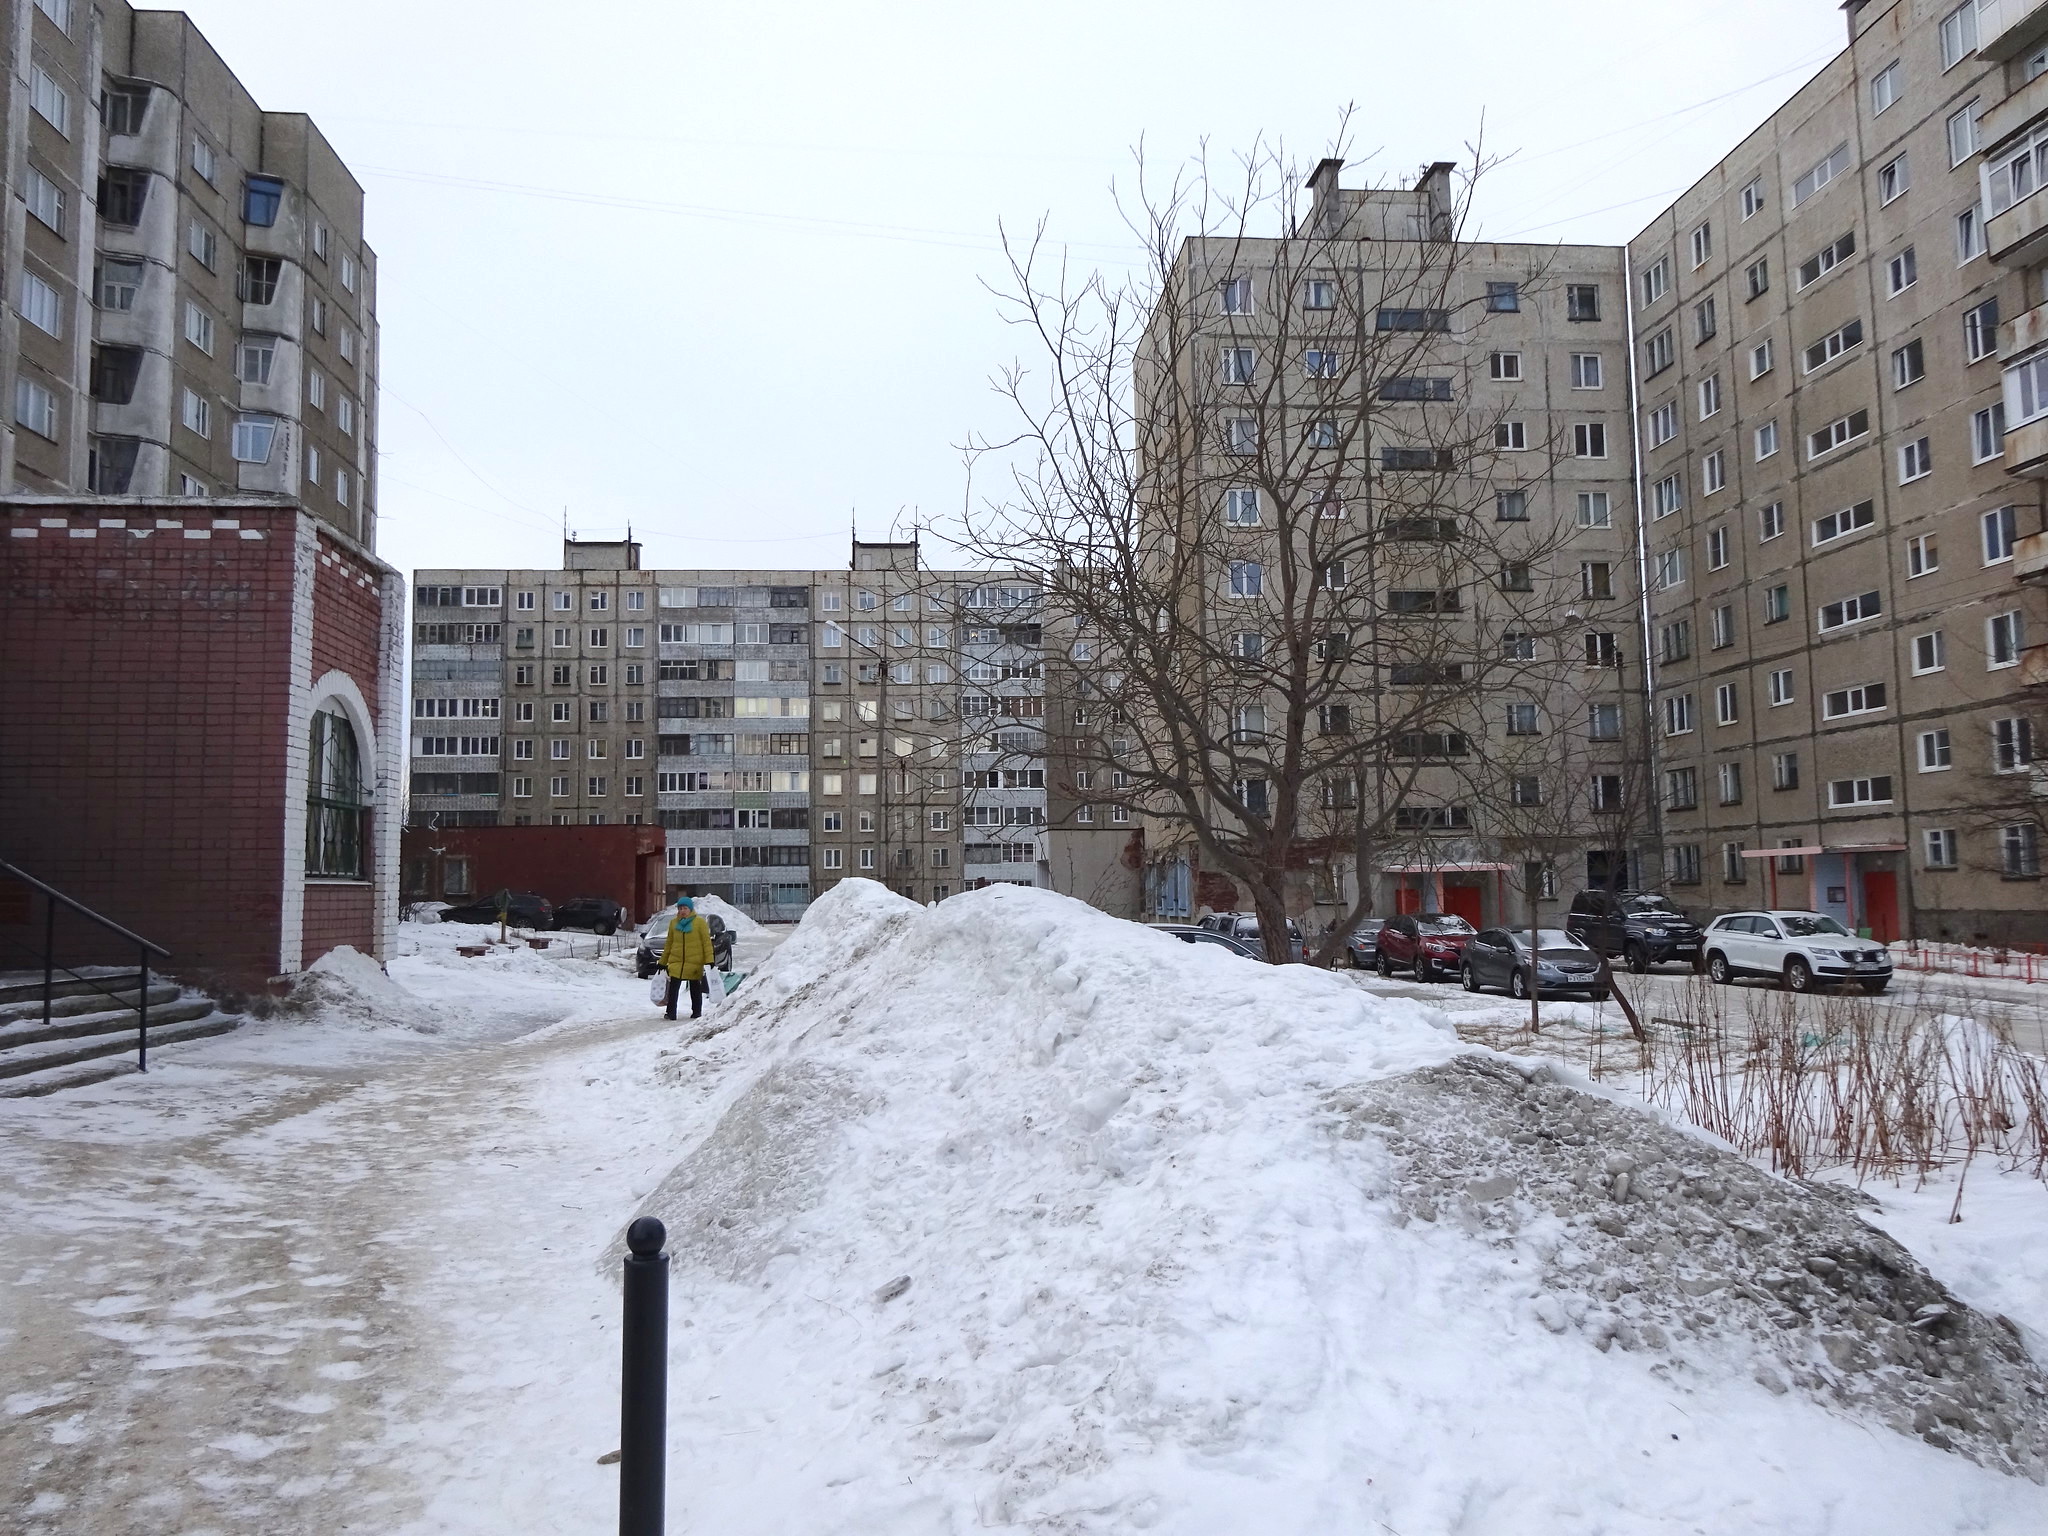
687	956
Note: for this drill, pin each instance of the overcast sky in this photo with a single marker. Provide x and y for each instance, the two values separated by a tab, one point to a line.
718	271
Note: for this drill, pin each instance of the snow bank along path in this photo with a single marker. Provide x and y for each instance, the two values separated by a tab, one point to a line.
1017	1215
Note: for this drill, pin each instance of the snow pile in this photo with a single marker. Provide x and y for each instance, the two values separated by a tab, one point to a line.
741	925
1018	1215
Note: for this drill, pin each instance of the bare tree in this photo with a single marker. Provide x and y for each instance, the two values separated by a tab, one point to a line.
1290	548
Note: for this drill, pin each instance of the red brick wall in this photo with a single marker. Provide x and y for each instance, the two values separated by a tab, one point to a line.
337	915
147	699
347	609
556	862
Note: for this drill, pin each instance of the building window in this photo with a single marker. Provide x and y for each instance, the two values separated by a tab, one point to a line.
256	283
1958	34
1702	244
1726	704
262	196
1916	460
199	328
2012	744
1589	440
1239	365
1710	396
1766	440
1785	770
1663	424
1236	295
1760	359
1247	578
1729	776
1596	579
1503	298
1909	365
196	412
1678	714
1595	511
1939	844
1865	699
51	101
1717	548
1781	687
45	200
1893	179
1658	353
1928	653
1876	790
1668	570
1319	293
1850	610
203	244
1836	525
336	805
2004	639
1770	522
1832	165
1980	330
1922	557
1987	433
1704	323
1969	236
1582	301
1843	430
253	438
1665	497
1935	752
1713	472
2019	848
1510	435
1826	259
1999	528
35	408
1656	280
1777	604
40	305
1757	277
1681	789
1962	134
1833	345
1586	370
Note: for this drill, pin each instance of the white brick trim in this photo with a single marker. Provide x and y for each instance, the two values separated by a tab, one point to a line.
291	928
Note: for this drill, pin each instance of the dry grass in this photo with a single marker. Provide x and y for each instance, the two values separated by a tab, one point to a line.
1892	1088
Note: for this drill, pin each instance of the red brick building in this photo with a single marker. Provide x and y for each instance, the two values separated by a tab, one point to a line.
204	724
459	864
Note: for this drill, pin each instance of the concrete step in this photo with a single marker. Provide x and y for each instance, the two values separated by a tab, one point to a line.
27	1047
22	987
27	1071
85	1002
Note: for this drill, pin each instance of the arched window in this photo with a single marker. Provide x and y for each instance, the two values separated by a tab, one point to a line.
335	801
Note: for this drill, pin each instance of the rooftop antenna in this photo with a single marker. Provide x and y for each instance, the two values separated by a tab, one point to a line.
567	536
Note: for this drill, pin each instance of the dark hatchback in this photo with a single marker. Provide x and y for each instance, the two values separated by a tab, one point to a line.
1187	933
523	910
1499	957
654	938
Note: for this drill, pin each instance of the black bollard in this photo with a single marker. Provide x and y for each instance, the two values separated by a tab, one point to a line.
643	1383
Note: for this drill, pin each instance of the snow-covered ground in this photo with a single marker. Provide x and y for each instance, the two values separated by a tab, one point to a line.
995	1215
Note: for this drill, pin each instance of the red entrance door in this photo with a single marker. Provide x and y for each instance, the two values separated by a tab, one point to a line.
1881	904
1464	901
1407	899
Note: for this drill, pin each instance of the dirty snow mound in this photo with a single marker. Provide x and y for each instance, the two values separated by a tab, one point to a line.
1645	1237
347	985
1018	1216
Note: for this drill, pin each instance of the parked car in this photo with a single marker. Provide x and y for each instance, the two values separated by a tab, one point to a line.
1499	957
1801	950
523	910
1187	933
1427	943
654	935
1364	944
1645	928
1244	927
600	914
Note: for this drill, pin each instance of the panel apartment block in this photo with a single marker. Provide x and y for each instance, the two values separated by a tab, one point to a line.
191	306
1526	346
1833	331
786	729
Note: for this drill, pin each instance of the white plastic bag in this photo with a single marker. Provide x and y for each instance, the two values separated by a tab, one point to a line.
657	989
714	989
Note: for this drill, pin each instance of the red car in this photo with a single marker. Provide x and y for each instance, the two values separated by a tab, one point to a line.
1431	944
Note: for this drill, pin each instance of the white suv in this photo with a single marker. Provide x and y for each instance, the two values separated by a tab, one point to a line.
1801	949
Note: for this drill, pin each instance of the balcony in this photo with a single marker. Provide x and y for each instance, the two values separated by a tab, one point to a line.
2030	556
2019	236
2008	118
2034	667
2007	28
2026	449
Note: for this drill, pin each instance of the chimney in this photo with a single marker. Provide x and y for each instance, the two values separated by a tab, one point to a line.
1328	210
1435	185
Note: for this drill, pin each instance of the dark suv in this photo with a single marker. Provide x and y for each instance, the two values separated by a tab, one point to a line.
1645	928
1429	944
1244	927
523	909
600	914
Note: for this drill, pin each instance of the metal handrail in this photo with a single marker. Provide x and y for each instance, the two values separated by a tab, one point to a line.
81	908
51	897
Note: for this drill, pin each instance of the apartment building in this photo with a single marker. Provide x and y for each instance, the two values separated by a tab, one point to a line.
1437	433
191	306
1840	352
786	729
